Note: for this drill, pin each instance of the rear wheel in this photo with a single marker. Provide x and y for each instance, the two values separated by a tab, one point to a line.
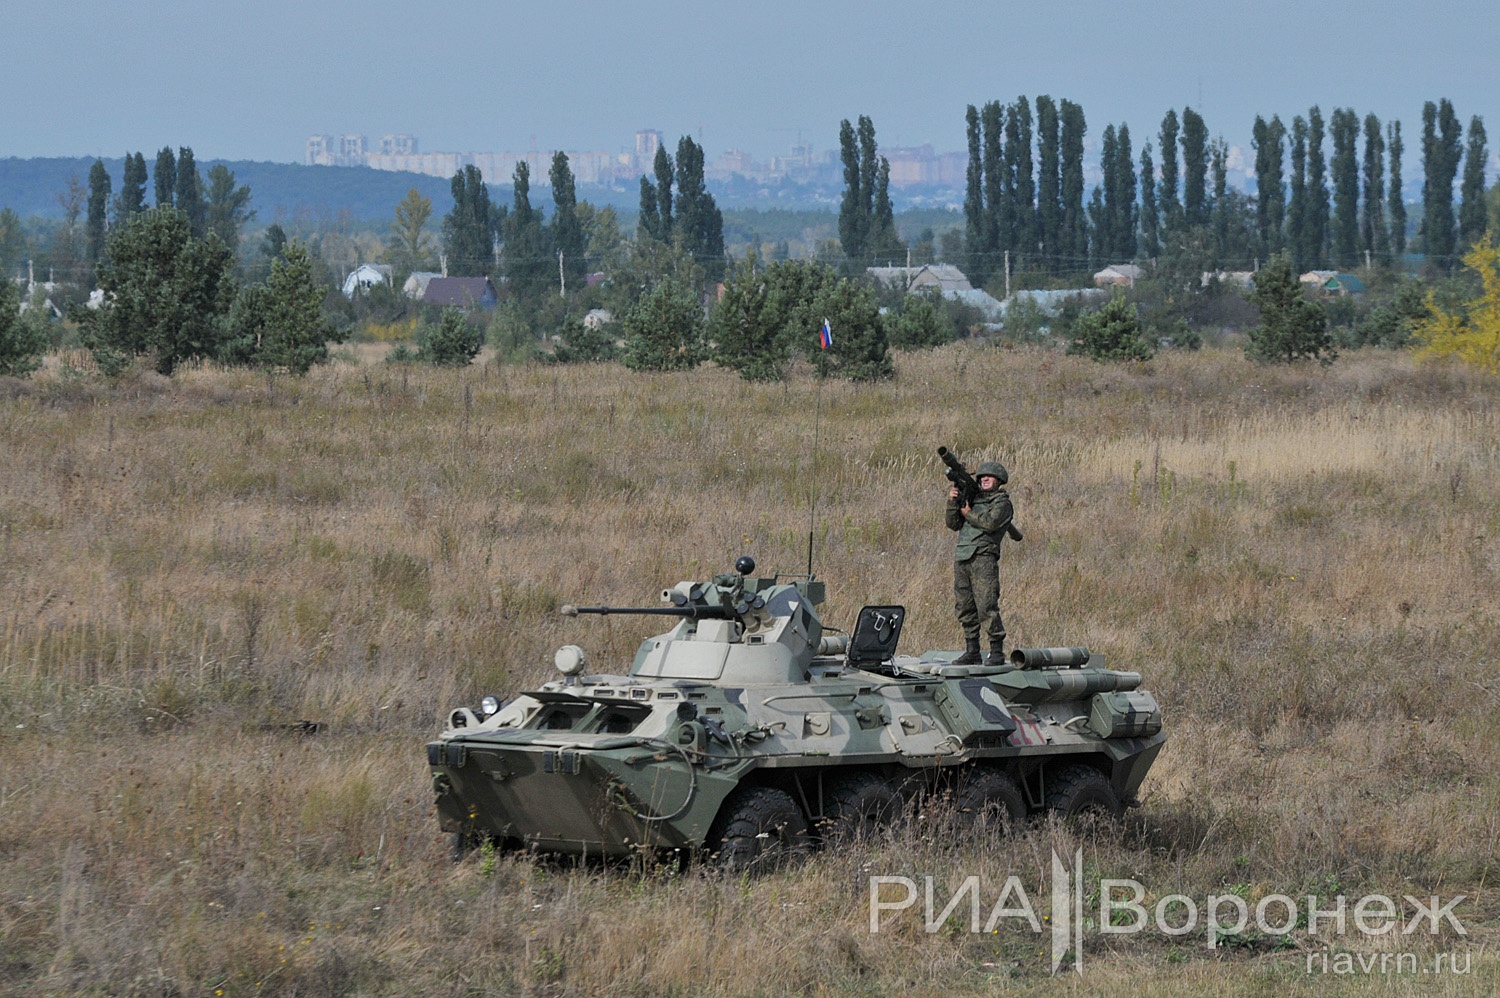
759	829
990	799
858	805
1081	795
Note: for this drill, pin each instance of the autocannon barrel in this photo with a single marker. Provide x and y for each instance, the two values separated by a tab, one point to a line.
693	612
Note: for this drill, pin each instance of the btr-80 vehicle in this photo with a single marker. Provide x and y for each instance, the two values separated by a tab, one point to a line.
747	733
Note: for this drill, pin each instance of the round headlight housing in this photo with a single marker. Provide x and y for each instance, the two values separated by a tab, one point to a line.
490	705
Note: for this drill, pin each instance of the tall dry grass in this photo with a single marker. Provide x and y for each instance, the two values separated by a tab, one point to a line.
1303	562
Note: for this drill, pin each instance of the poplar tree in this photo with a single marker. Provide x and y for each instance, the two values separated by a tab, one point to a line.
1372	223
662	167
132	200
1473	215
1166	190
1270	189
166	177
1123	200
1316	229
997	230
1020	184
469	228
700	224
1049	180
188	197
98	213
1297	211
1150	220
976	215
1075	224
1345	128
853	218
1397	197
648	222
567	231
1441	147
1194	168
528	264
1222	208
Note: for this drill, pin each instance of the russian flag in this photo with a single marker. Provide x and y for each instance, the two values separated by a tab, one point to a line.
825	336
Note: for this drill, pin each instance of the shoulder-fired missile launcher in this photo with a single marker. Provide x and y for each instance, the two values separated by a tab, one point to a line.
749	732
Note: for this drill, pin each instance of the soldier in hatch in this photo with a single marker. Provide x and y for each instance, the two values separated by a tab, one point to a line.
976	561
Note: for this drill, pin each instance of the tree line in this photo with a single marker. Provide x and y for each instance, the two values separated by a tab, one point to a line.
1025	201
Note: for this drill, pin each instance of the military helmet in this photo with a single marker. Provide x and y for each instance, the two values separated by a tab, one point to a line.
994	468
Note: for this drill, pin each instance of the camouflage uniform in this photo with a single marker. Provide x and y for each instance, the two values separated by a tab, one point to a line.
976	562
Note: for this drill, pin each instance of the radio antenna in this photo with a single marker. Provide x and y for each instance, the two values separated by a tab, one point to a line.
825	340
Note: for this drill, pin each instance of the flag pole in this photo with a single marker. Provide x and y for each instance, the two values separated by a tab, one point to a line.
825	340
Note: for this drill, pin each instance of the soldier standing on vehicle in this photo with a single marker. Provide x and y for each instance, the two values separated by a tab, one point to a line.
976	560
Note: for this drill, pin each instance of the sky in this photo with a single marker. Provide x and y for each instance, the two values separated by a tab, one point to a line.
250	81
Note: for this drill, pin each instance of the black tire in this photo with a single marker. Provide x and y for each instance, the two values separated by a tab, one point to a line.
758	829
989	799
858	805
1081	795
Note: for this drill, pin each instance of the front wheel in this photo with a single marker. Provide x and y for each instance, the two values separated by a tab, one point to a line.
990	799
759	829
1081	795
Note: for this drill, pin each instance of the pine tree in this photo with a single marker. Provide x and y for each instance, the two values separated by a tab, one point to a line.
1473	215
166	177
1291	327
280	324
1373	232
1397	202
1111	333
1194	168
188	198
22	342
664	330
1344	126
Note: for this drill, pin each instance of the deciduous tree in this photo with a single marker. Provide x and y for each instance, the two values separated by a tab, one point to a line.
166	177
469	229
98	213
1470	332
1441	148
409	247
132	200
1473	214
188	198
1373	233
228	206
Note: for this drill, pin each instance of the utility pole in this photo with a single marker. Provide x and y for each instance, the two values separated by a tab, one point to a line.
562	278
1007	275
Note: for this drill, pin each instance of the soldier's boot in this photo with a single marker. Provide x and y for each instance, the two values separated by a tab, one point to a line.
971	653
997	653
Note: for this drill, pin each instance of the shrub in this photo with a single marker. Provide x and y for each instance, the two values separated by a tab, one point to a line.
453	342
1111	333
23	340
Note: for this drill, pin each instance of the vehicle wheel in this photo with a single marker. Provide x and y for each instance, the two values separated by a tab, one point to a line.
990	799
759	829
858	805
1081	794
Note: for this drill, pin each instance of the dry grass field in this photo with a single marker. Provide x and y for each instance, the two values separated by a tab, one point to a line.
1303	562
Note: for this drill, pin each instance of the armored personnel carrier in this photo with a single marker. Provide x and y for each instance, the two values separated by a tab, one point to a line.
750	732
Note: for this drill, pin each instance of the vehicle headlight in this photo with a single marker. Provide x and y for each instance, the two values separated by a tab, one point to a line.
490	705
